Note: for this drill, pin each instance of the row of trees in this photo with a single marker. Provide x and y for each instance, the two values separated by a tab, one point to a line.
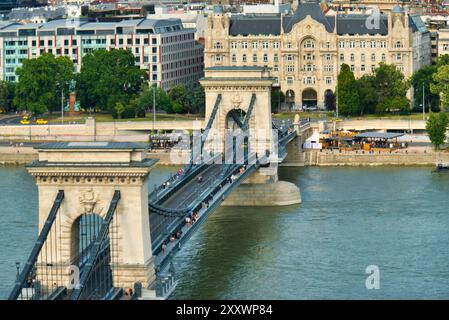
383	91
108	81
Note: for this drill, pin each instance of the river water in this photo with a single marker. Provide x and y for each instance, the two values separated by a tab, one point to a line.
394	218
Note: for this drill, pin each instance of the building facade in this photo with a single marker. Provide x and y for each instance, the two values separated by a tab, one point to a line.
442	42
305	49
164	48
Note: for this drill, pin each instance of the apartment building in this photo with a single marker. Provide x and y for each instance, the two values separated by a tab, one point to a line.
163	47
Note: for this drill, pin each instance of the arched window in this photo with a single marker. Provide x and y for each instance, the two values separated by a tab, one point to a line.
308	44
234	58
362	57
244	58
398	44
373	57
218	45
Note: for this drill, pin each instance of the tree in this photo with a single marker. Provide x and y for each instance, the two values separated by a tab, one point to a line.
108	78
145	99
7	95
177	107
391	88
367	94
40	83
195	98
119	109
424	78
443	60
440	85
348	96
390	104
436	128
178	97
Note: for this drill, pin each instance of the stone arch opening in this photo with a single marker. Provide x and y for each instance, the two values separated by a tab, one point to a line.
85	230
309	98
236	143
329	100
234	119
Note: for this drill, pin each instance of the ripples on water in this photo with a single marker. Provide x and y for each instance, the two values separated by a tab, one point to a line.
396	218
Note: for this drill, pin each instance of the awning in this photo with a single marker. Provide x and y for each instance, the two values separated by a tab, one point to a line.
379	135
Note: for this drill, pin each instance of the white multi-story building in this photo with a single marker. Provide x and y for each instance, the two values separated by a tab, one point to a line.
164	48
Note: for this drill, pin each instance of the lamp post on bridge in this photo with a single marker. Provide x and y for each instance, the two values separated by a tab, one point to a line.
17	270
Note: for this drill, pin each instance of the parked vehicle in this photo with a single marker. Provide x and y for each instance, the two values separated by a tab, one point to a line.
41	121
25	120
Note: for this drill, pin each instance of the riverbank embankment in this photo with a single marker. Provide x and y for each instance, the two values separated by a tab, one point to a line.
352	158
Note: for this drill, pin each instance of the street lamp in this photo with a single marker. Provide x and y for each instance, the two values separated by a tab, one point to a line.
18	270
62	101
423	103
154	106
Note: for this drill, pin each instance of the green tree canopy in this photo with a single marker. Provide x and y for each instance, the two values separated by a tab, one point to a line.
443	60
440	85
391	87
108	78
7	95
40	83
366	87
436	128
178	97
162	101
347	93
423	78
195	98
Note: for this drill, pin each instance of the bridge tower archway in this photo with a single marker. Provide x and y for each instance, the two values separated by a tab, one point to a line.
102	182
244	90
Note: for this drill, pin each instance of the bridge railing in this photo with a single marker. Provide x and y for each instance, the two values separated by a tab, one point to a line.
209	200
165	190
42	272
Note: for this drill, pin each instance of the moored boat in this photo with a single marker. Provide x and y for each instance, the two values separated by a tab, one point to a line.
442	167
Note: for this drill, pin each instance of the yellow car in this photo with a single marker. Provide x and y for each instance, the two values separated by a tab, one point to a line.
41	121
25	121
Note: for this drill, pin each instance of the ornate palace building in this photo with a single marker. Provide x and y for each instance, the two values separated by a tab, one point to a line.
305	49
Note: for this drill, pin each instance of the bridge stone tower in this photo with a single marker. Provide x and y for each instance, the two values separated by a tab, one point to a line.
240	89
231	91
90	173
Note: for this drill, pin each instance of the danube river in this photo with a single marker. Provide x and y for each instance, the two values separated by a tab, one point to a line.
394	218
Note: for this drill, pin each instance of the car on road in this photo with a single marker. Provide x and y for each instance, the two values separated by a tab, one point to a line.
41	121
25	120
